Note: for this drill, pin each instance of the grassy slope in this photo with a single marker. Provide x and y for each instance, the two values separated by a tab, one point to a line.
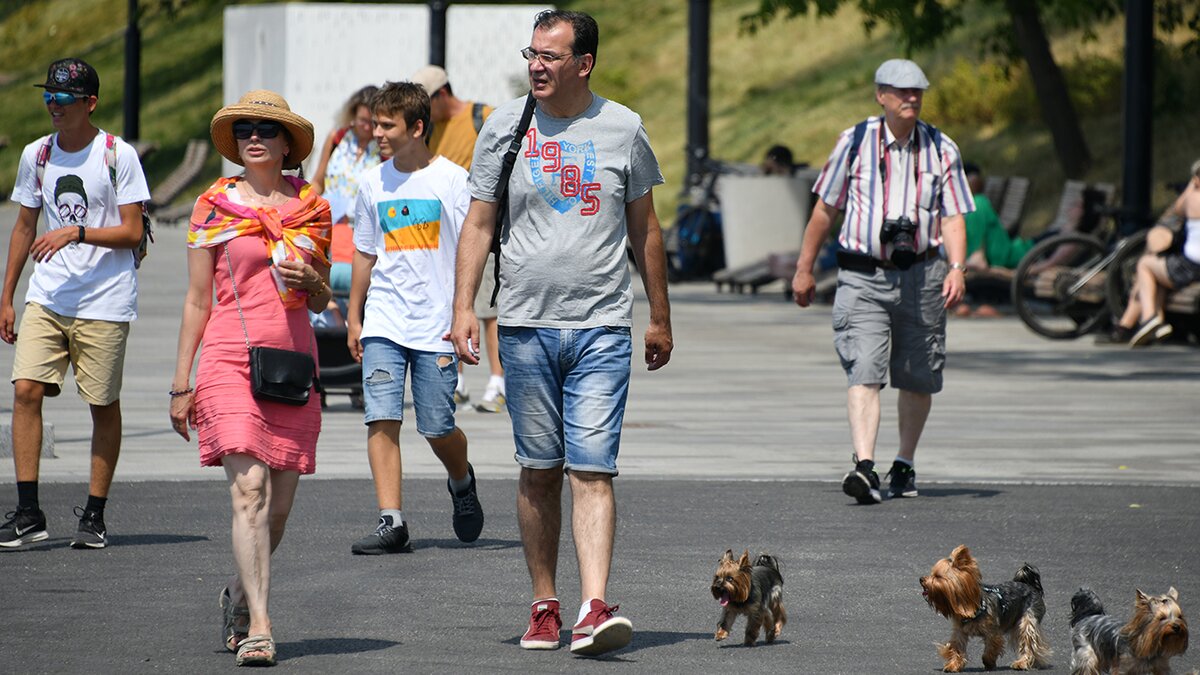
181	74
796	82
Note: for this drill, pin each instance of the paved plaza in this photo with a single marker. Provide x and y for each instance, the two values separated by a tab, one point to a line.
1076	458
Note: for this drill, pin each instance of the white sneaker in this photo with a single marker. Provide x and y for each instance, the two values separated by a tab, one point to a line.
493	401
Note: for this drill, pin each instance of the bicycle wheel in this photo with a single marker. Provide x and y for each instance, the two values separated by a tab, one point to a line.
1058	289
1123	271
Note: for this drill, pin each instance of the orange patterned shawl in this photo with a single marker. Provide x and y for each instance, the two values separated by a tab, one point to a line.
300	225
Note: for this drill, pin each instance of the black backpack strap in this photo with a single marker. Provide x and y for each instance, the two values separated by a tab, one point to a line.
860	130
477	116
501	194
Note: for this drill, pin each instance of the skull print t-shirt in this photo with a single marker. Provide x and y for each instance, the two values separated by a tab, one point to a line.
83	281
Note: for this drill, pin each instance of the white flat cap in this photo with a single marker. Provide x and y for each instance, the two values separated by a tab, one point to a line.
901	74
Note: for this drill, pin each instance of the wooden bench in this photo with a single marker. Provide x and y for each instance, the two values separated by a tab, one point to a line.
782	266
1011	206
144	149
174	184
747	277
1185	300
994	187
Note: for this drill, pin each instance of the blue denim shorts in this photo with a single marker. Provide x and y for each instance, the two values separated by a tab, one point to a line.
434	376
566	391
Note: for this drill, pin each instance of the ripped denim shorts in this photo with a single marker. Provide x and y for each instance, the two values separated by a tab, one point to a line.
434	376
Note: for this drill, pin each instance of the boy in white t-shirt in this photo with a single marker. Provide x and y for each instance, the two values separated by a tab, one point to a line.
408	216
82	294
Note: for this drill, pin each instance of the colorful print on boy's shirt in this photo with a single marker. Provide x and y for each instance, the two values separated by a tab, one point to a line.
410	224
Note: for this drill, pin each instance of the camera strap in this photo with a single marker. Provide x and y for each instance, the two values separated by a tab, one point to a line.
885	171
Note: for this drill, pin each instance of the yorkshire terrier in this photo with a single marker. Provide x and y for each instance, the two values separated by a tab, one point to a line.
994	612
753	590
1103	644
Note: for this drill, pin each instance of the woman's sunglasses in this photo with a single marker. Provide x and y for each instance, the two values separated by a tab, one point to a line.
59	98
243	129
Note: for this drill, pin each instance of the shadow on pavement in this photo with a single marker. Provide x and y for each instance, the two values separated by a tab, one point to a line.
154	539
977	493
331	646
482	544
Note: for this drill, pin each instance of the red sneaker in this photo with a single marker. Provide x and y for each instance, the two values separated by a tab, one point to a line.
600	632
544	623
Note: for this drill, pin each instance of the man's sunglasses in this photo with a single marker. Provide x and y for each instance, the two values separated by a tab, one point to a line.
60	98
243	129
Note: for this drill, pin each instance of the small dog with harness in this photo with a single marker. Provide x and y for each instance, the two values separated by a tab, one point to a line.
1009	612
752	590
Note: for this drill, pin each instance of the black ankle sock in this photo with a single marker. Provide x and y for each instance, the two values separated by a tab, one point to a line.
96	504
27	494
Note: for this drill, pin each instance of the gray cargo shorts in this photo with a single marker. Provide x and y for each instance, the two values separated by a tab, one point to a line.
892	321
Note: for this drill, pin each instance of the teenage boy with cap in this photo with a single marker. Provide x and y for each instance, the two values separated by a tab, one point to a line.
82	294
901	183
456	124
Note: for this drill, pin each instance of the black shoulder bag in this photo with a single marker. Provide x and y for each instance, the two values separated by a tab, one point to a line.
510	158
279	375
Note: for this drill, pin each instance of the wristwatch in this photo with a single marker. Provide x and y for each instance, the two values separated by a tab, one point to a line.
958	266
81	231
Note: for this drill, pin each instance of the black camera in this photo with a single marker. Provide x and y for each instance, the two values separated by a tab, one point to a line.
901	234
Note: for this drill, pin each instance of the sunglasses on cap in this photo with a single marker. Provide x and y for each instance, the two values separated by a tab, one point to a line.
60	98
244	129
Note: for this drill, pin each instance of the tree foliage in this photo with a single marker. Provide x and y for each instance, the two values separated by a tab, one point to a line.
922	23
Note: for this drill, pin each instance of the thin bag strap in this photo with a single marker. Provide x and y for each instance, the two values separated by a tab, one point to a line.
236	299
510	157
242	318
501	194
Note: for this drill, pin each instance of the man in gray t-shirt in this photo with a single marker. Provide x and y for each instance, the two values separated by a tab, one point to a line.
581	187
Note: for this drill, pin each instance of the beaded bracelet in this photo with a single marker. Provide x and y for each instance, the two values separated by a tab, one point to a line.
173	393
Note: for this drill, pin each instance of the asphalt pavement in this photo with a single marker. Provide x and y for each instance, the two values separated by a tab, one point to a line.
1076	458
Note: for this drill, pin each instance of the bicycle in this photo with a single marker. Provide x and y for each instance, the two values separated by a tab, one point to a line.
1070	283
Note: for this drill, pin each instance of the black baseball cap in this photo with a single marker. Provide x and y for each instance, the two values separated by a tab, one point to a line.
72	75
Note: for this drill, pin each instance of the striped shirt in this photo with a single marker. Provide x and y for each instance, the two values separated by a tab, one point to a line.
915	180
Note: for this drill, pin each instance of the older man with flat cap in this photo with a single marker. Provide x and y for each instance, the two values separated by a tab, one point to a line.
901	184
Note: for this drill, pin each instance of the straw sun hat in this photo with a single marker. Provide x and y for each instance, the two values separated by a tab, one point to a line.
261	104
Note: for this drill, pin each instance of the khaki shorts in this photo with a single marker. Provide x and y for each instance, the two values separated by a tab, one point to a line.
487	283
47	342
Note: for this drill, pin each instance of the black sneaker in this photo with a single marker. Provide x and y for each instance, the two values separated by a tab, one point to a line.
862	484
902	481
91	532
385	539
1147	332
23	526
468	512
1117	335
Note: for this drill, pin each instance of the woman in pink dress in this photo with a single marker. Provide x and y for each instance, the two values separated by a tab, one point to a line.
260	240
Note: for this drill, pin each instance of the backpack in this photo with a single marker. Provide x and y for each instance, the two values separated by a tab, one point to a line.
110	163
700	243
477	116
476	120
860	130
